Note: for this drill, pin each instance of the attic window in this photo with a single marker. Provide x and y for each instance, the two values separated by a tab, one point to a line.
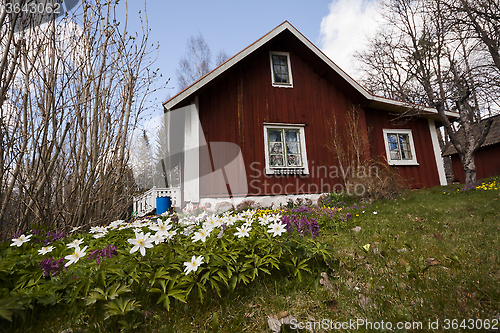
281	72
399	147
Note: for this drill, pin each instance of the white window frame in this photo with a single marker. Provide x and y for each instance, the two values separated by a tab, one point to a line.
413	160
281	85
302	170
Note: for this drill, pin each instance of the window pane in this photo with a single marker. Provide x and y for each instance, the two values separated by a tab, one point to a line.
392	138
393	146
293	160
292	135
406	155
280	69
277	160
292	148
395	155
276	148
274	135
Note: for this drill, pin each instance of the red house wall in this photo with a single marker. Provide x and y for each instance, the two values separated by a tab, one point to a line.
487	160
423	175
235	107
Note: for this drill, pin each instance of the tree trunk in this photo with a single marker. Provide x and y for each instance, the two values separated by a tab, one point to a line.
469	168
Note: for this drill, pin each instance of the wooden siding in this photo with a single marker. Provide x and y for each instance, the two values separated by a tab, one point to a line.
487	163
425	174
236	107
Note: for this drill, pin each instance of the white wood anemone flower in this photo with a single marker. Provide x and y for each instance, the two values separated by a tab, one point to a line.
201	234
141	242
161	227
243	231
276	228
20	240
192	266
75	243
77	254
45	250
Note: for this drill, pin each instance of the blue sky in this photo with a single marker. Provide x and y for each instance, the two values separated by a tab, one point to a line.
335	26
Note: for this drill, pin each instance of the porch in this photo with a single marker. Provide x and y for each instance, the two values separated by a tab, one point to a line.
146	202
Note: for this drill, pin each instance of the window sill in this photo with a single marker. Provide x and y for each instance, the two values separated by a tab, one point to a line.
283	85
403	163
287	171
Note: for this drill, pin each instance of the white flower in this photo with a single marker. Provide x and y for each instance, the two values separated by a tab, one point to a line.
159	237
375	213
100	235
276	218
202	235
97	230
249	213
277	228
243	231
141	242
230	220
192	266
170	234
75	243
74	229
161	227
20	240
116	224
45	250
265	219
212	222
77	254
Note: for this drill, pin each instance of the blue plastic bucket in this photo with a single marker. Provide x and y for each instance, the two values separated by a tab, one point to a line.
163	204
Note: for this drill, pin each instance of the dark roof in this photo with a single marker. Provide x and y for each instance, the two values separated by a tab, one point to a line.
493	136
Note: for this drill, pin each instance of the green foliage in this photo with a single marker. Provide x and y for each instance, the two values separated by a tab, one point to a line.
115	283
419	258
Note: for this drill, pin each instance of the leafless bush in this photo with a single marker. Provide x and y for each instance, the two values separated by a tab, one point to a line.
377	179
76	92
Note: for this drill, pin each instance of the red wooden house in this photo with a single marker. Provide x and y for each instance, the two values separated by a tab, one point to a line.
256	126
486	159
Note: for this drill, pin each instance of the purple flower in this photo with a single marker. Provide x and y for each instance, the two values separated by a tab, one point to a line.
301	224
101	255
48	265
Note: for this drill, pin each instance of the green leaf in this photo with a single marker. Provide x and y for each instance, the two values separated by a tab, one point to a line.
8	306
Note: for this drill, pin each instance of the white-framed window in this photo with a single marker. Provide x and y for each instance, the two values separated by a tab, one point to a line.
399	147
281	70
285	149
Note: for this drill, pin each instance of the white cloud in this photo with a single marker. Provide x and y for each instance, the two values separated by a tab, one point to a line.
345	30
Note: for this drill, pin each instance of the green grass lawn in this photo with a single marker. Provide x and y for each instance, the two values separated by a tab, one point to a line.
428	257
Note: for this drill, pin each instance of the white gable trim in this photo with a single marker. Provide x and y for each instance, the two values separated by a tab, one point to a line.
191	90
249	50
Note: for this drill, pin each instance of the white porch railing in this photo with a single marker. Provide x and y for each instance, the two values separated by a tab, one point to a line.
146	202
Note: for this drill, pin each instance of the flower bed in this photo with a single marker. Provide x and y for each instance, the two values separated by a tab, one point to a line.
113	267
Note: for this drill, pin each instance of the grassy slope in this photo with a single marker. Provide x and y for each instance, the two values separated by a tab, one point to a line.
390	282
